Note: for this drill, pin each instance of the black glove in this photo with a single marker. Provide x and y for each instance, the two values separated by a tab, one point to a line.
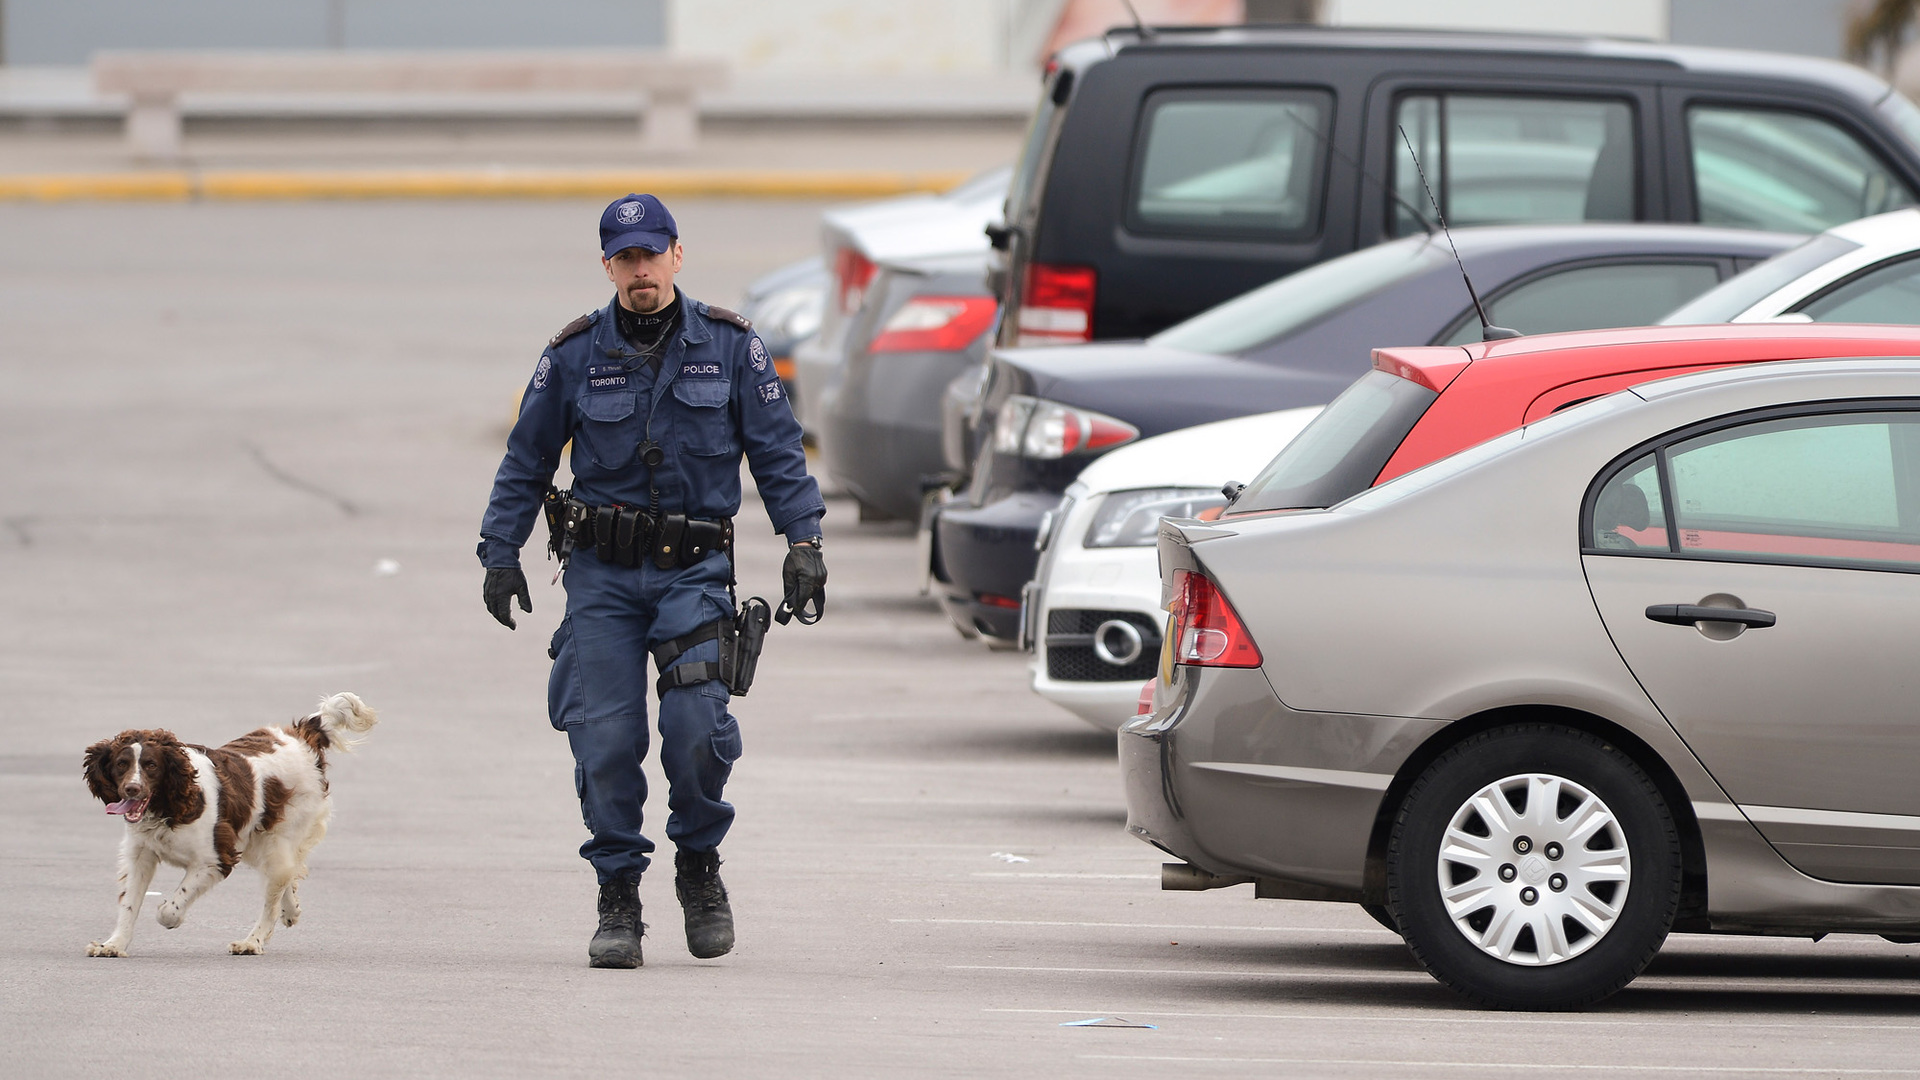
503	584
805	578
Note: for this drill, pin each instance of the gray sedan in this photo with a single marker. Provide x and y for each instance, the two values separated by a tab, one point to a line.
1637	667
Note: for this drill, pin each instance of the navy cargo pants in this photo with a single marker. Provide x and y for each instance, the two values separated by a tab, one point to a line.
598	693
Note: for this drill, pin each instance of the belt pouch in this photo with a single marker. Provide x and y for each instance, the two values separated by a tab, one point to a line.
603	533
626	538
666	547
699	541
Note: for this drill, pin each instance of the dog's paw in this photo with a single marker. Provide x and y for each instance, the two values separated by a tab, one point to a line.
97	949
246	947
170	915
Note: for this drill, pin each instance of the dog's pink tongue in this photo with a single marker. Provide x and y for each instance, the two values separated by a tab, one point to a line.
120	807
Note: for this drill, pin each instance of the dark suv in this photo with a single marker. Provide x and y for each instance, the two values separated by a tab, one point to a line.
1164	174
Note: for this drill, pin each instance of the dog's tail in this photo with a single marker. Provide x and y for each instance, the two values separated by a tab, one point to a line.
343	716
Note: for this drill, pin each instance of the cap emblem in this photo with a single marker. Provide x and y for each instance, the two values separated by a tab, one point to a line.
629	213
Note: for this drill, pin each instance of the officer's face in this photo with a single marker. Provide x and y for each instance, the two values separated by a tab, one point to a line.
644	280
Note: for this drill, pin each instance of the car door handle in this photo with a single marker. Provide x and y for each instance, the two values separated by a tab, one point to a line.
1688	614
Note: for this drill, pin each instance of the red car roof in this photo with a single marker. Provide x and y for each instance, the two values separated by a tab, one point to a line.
1491	387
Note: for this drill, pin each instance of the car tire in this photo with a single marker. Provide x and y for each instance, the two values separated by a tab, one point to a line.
1482	865
1381	915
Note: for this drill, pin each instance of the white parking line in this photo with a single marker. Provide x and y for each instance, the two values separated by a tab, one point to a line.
1381	932
1241	973
1505	1018
1079	877
1379	1063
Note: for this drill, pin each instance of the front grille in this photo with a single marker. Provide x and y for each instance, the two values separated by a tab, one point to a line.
1070	655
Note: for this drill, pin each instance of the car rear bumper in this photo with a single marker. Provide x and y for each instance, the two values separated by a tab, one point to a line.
1085	591
986	553
1223	775
882	430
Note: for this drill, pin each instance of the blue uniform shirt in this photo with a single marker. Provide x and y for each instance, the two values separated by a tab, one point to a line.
714	396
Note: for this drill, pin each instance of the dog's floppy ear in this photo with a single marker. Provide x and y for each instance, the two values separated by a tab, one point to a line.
95	770
175	796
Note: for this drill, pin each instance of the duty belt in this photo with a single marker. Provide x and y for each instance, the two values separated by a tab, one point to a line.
624	535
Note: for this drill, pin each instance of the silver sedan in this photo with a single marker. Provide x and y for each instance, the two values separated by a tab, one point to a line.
1635	668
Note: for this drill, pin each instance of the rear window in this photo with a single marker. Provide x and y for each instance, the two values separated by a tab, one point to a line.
1243	163
1338	455
1742	291
1279	308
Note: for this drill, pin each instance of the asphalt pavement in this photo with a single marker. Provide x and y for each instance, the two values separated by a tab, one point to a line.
246	451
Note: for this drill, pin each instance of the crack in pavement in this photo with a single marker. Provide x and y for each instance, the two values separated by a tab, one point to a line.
343	504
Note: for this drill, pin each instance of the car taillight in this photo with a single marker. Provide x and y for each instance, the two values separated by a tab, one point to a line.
1034	428
935	324
1206	630
852	273
1056	307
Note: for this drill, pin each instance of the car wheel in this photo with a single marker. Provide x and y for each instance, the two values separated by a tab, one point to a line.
1534	867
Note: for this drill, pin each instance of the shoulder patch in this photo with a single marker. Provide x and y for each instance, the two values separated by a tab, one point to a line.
574	327
727	315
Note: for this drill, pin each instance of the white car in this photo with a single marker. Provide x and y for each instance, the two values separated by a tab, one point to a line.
1866	271
1092	614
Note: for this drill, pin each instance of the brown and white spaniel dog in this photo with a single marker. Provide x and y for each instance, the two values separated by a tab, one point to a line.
261	799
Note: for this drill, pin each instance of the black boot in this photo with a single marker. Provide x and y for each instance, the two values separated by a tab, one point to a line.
616	944
696	878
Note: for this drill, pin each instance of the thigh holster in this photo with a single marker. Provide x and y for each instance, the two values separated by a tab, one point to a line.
741	637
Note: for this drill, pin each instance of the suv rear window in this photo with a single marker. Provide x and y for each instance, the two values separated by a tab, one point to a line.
1239	162
1338	455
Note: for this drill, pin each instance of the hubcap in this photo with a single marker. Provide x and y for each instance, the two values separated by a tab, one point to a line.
1534	869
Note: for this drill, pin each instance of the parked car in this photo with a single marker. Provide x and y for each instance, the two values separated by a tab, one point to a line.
1865	271
1164	174
857	240
784	307
1524	703
922	323
1045	413
1091	616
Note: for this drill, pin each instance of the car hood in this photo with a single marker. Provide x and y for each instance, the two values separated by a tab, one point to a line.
1206	456
1157	389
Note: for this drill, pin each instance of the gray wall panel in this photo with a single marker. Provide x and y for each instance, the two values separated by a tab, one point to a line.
69	31
1808	27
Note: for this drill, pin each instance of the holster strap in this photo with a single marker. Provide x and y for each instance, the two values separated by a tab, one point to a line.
667	652
686	675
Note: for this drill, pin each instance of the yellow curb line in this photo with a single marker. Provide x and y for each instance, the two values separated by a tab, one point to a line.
474	184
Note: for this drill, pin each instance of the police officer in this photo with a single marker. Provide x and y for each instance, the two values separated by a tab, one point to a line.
660	395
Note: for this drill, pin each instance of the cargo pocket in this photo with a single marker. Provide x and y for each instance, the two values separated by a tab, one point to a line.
706	425
564	696
609	429
580	789
726	740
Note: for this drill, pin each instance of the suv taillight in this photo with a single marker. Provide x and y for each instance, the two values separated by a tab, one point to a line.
1056	307
1206	630
852	273
935	324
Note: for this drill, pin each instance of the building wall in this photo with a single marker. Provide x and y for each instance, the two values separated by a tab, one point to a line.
68	31
1810	27
1620	18
850	37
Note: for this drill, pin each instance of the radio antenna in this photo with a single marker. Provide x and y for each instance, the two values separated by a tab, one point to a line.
1327	142
1147	33
1488	331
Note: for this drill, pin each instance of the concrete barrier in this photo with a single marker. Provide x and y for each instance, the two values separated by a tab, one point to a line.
665	86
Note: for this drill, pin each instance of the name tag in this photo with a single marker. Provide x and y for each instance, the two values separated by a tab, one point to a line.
700	370
606	377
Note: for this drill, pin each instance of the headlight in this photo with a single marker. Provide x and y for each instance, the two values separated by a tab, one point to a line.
1132	518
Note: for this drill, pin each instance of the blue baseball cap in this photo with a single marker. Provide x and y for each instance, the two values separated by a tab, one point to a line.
636	221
